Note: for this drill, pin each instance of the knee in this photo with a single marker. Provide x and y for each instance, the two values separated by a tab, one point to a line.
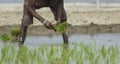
23	28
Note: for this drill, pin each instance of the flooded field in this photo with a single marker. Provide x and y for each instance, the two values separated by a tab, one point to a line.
94	37
106	39
82	49
99	39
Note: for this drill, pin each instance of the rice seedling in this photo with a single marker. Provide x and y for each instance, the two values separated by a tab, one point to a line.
15	31
13	37
5	38
78	54
14	34
61	27
114	54
22	55
104	54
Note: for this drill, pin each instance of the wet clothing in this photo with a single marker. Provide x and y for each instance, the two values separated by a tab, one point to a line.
52	4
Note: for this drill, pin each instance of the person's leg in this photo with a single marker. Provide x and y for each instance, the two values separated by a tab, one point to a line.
63	19
27	20
22	36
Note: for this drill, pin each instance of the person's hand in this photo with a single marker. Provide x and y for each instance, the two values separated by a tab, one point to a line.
48	25
54	23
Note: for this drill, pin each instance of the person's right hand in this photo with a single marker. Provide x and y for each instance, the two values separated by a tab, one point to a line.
48	25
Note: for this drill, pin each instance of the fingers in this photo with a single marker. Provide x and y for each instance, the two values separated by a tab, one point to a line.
54	23
49	25
52	27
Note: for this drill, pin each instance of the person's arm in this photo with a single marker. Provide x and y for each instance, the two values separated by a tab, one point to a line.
29	6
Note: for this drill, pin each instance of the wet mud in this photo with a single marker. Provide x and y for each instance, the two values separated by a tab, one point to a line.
40	30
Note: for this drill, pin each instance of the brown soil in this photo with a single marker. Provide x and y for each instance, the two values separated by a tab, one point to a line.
77	29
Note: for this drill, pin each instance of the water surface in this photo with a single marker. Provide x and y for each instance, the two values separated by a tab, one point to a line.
106	39
99	39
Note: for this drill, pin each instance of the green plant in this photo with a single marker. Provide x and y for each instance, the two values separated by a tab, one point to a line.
104	54
5	38
80	54
15	31
61	27
114	54
14	34
22	55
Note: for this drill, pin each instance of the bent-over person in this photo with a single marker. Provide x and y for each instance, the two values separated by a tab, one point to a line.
57	8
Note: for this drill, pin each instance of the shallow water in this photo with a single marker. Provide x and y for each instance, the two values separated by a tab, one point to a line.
106	39
99	39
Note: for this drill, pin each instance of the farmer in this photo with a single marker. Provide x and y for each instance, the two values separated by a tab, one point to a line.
57	8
